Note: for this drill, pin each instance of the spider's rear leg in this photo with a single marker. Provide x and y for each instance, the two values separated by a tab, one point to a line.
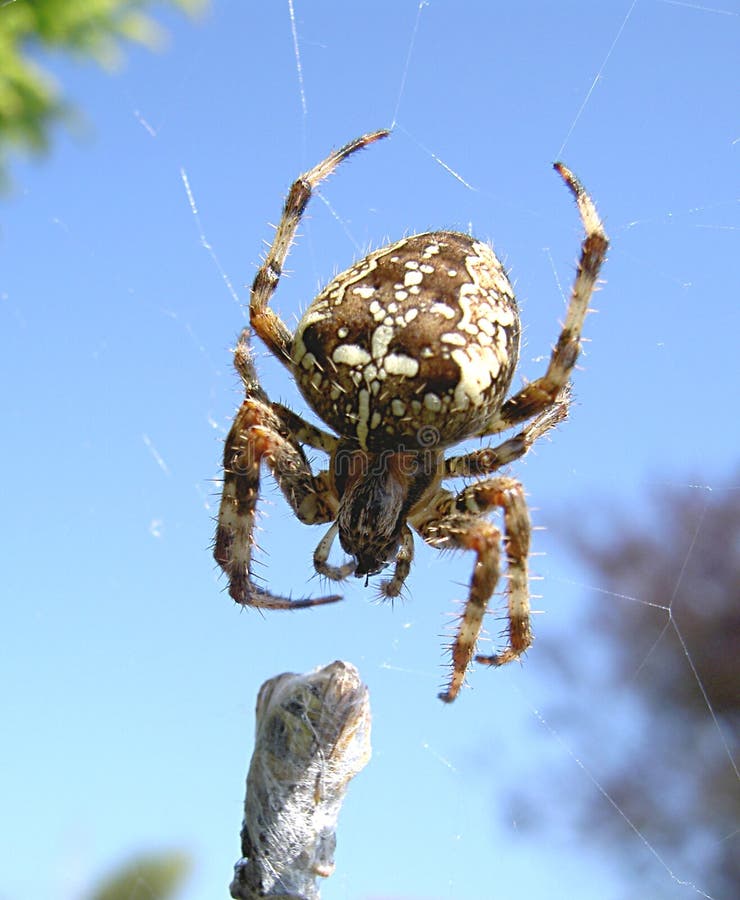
459	523
541	393
255	436
268	325
488	460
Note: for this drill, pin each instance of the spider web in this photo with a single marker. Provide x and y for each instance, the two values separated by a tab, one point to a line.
144	669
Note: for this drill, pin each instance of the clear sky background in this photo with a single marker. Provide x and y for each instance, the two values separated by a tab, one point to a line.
128	676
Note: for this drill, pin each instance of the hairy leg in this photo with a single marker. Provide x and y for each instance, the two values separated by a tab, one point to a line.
543	392
268	325
458	522
392	587
258	434
489	459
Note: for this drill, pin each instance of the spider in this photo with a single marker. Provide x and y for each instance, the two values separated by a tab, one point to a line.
407	353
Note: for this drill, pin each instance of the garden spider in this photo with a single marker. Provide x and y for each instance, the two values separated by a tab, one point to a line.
408	352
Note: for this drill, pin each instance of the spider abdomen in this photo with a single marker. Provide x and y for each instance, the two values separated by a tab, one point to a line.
414	346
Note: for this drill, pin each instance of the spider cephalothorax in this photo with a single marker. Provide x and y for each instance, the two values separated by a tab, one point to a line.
405	354
376	496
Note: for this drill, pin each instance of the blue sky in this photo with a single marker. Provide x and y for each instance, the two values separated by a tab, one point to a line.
129	677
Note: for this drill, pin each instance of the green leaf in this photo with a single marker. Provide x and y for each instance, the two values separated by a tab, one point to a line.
152	877
31	102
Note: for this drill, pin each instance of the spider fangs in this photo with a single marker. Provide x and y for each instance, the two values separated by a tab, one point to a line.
405	354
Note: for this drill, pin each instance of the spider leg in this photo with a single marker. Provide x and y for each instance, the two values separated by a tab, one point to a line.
392	587
258	434
541	393
457	522
268	325
303	432
489	459
321	557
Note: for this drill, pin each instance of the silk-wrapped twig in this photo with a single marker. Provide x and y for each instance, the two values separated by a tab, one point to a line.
312	738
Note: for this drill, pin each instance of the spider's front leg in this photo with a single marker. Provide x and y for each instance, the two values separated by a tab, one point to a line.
258	433
457	522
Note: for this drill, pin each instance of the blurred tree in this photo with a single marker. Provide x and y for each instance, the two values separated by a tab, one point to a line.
30	100
152	877
658	683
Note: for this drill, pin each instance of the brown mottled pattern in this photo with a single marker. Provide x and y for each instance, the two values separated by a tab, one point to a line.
449	307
